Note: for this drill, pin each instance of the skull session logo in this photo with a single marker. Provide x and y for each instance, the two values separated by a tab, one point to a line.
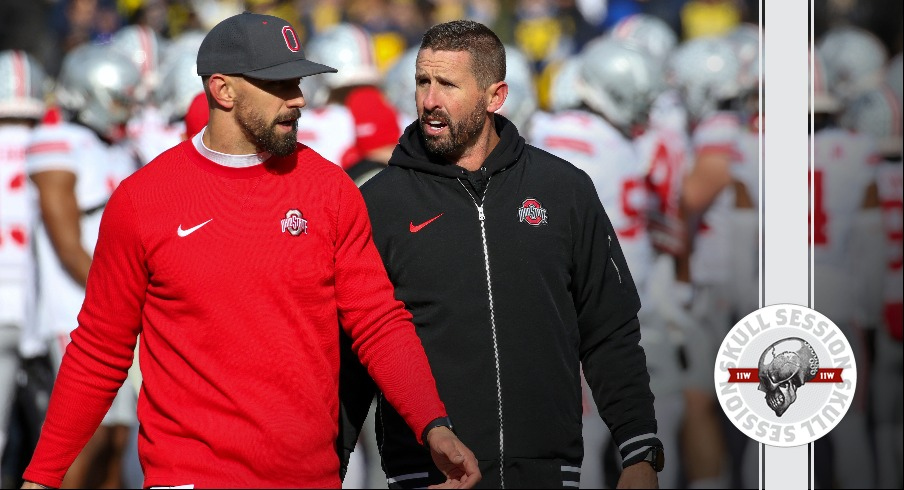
785	375
781	374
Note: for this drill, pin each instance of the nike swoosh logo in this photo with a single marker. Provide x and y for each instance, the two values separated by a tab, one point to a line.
185	233
413	228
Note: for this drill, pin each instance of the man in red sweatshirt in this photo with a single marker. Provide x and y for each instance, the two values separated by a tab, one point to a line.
237	255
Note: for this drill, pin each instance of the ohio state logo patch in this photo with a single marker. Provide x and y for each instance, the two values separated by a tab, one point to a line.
294	223
532	212
785	375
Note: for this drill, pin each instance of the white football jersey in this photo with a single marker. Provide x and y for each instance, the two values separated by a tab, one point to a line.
16	220
610	159
890	183
745	231
711	256
668	112
664	156
330	131
151	134
844	166
98	168
746	168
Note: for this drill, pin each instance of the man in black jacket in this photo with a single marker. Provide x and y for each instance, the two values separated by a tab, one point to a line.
507	260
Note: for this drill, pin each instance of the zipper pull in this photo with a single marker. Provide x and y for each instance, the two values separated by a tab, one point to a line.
480	214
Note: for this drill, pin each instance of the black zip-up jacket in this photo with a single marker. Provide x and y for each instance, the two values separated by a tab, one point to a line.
515	278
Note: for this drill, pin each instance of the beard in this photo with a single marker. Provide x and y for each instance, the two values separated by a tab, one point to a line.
460	132
264	135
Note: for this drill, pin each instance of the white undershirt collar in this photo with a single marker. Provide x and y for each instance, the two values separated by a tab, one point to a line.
225	159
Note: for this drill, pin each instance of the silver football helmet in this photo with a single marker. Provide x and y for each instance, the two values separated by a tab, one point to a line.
855	60
706	72
349	49
823	101
187	41
877	113
619	81
521	101
563	92
143	47
745	40
398	83
315	91
97	85
179	84
179	81
647	32
23	85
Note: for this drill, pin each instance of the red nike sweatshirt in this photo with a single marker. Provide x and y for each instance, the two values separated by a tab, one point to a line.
237	280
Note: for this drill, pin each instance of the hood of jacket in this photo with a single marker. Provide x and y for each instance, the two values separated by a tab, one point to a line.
411	152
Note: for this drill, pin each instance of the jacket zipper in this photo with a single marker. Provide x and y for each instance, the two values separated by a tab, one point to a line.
486	260
613	260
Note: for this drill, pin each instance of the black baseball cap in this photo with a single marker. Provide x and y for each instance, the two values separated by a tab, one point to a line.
256	45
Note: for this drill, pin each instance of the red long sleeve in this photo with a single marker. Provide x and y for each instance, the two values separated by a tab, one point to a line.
239	321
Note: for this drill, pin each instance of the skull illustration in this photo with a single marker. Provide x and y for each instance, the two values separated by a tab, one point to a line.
784	367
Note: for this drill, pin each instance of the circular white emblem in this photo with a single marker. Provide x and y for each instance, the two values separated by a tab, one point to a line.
785	375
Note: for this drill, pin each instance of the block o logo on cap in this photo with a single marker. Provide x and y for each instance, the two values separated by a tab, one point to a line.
785	375
291	39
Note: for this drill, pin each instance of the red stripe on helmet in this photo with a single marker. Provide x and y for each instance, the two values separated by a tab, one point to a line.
48	147
146	44
894	105
20	74
366	48
818	75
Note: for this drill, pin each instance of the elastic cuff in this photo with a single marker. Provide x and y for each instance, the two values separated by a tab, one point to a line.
634	449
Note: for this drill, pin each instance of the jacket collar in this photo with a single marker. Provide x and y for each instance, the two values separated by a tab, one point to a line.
411	151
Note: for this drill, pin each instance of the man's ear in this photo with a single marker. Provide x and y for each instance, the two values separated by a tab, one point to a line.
222	90
496	93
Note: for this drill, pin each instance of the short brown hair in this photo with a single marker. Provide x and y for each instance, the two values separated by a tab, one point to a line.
487	51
